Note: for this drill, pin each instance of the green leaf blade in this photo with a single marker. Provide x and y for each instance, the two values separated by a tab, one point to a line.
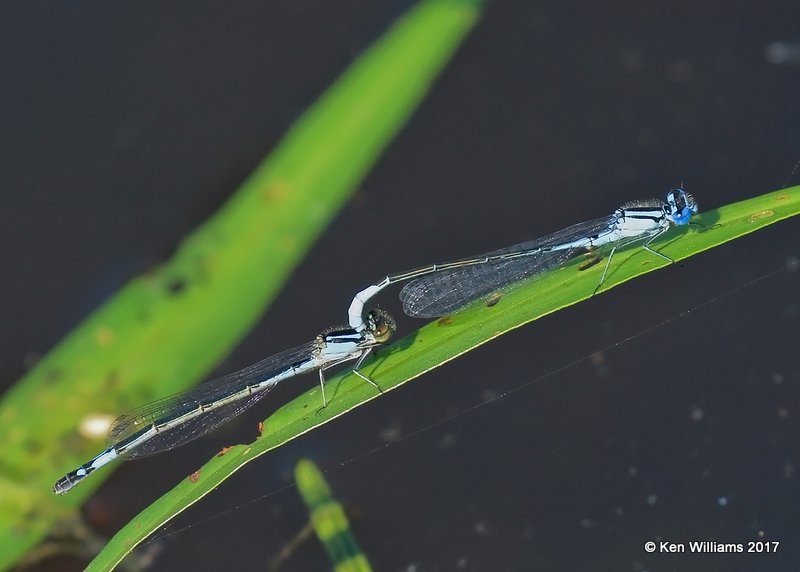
443	340
329	519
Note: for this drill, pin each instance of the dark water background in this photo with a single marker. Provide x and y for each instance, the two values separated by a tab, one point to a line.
125	126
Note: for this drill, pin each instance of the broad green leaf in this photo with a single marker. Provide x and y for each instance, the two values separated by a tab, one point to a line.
165	330
446	339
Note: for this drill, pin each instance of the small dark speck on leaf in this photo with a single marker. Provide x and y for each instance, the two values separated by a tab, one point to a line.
31	516
32	447
53	374
112	379
493	299
176	286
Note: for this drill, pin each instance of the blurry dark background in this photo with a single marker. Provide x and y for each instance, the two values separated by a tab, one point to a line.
125	126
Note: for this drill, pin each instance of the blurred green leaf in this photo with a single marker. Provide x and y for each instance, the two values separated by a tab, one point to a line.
448	338
329	519
165	330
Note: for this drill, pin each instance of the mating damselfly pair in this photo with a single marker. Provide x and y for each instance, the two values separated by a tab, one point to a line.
430	291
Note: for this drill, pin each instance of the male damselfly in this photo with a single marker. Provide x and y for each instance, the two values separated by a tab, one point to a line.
440	289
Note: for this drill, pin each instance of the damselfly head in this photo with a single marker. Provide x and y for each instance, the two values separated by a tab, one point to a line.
680	206
381	325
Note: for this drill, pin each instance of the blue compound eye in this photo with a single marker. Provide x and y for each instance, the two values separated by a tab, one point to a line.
680	206
682	217
677	201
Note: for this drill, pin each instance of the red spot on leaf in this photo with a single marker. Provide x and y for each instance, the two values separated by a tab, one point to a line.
224	450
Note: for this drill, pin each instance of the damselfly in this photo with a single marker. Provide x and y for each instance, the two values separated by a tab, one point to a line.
440	289
178	419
